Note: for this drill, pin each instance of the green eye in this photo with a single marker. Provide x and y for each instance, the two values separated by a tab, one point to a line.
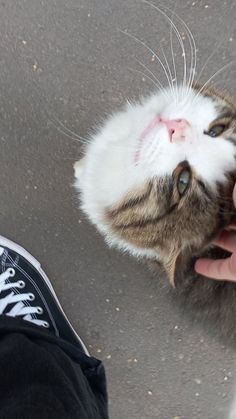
216	130
183	181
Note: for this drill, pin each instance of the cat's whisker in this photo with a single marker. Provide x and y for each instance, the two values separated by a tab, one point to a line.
79	140
176	33
45	105
151	51
193	50
149	78
65	128
150	72
173	60
207	61
132	148
211	78
124	147
171	76
172	53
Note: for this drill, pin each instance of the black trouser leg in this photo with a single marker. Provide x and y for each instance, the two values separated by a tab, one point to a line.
45	377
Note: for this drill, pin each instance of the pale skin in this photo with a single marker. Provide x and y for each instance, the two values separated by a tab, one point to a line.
222	269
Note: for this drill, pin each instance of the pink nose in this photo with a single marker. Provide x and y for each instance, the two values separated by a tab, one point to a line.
177	129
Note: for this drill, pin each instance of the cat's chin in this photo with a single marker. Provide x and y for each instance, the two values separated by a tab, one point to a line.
123	246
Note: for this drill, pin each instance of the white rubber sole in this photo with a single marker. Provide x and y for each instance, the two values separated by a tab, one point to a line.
17	248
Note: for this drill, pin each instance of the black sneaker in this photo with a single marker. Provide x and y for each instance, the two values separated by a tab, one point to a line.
26	292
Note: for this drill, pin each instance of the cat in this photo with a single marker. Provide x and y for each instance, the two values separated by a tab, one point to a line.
157	179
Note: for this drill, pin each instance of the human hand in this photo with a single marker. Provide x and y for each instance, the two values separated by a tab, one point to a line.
222	269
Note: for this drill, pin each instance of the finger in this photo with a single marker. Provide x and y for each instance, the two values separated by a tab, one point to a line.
227	241
221	269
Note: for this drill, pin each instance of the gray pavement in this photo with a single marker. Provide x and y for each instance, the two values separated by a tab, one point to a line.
63	62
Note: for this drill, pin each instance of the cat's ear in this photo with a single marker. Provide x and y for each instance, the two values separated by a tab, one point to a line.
170	262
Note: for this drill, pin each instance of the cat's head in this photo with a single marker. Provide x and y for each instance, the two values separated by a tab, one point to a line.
159	176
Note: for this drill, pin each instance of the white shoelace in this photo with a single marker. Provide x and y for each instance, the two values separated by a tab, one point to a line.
19	309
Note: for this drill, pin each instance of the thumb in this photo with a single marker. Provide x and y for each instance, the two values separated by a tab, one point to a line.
222	269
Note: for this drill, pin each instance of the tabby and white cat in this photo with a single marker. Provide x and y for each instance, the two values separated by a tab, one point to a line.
157	181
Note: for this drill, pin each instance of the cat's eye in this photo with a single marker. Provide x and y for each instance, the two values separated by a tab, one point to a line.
216	130
183	181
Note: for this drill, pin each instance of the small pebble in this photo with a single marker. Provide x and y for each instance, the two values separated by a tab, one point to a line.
197	381
150	392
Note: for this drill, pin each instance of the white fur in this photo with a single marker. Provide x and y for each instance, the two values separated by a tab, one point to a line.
232	414
109	170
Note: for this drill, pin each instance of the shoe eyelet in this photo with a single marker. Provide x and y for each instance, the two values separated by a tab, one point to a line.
31	296
21	284
39	310
46	324
11	272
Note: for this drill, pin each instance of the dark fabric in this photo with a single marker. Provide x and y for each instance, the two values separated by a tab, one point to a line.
44	377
